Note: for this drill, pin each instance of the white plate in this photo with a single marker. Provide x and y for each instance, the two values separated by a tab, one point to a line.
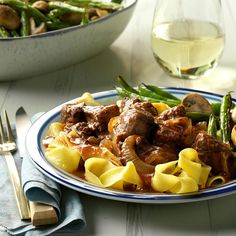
35	149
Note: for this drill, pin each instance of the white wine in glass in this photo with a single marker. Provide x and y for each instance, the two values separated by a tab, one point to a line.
186	44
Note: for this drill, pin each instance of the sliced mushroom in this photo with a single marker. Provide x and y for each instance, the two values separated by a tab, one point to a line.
101	13
9	18
194	102
92	13
233	115
95	13
42	28
41	5
233	135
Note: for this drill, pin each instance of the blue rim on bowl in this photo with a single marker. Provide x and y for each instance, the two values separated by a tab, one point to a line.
35	149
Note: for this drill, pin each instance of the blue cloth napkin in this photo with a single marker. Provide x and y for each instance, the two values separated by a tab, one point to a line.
40	188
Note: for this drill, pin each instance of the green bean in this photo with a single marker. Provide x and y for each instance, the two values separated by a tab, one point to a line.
212	126
225	118
144	90
197	116
14	33
125	85
80	3
66	7
216	108
122	92
55	25
103	5
37	15
161	92
106	5
117	1
55	14
126	93
3	32
15	4
85	20
147	93
25	25
152	100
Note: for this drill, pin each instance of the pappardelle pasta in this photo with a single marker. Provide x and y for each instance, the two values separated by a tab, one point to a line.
135	145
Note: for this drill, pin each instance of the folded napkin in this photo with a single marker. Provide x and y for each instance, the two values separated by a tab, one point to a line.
40	188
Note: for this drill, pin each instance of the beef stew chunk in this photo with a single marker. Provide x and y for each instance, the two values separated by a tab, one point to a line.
97	117
215	153
136	118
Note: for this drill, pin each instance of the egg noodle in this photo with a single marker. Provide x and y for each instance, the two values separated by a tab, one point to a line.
102	168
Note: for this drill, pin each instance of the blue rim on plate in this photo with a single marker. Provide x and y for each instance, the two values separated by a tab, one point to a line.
35	149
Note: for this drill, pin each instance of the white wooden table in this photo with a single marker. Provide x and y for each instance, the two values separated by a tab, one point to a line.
131	57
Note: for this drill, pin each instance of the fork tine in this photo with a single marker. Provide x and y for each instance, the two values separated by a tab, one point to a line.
9	131
2	134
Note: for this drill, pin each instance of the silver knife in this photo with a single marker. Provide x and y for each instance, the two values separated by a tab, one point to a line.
23	124
41	214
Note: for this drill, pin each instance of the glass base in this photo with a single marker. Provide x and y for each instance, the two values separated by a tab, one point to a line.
191	74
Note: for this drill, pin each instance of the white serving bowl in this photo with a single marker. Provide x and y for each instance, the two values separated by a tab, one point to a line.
29	56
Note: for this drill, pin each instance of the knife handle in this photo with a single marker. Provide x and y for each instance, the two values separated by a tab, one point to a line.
42	214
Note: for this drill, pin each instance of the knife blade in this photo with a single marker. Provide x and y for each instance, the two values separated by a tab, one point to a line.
23	124
41	214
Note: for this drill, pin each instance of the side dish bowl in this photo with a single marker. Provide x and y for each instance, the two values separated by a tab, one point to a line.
36	151
28	56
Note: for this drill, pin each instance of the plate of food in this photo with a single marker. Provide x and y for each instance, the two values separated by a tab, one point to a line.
144	144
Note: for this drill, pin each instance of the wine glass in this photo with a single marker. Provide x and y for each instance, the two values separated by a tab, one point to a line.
188	36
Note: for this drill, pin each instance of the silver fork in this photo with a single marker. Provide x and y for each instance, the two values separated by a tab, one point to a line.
7	146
